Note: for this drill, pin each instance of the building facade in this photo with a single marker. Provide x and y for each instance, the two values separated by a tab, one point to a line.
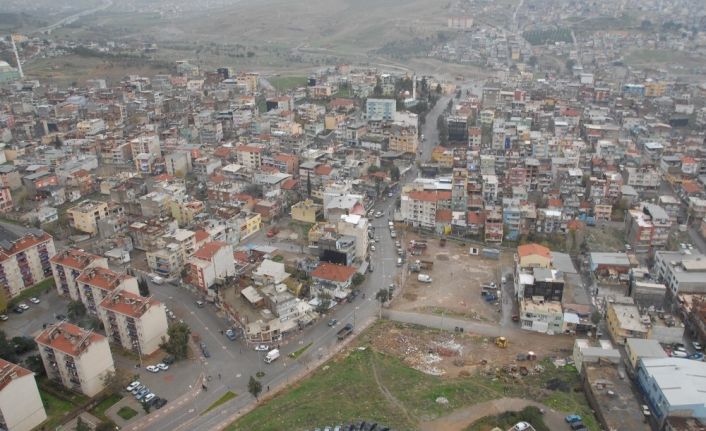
134	322
21	407
25	256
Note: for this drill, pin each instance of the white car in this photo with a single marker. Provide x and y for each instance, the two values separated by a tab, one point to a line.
152	369
679	354
262	348
23	306
372	248
131	387
149	397
163	366
34	300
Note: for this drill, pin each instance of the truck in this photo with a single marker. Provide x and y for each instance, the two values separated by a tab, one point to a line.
271	356
424	278
345	331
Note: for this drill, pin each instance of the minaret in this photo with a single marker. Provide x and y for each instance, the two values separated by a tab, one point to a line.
414	87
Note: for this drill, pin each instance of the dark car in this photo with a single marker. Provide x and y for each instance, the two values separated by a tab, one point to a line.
160	403
169	360
18	310
60	317
206	354
576	426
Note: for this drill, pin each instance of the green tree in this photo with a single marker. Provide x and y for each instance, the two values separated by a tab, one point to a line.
358	279
254	387
570	63
81	425
34	363
324	303
76	311
596	317
145	407
3	301
115	381
105	426
178	343
395	173
143	287
23	345
383	295
7	350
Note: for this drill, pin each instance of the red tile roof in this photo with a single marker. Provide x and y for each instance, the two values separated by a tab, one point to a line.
289	184
209	250
163	177
80	173
443	216
476	218
128	304
428	196
103	278
223	152
688	160
529	249
22	244
323	170
248	149
74	258
555	203
66	337
201	235
332	272
10	372
690	187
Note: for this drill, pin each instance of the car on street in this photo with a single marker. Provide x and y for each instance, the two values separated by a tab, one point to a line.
679	354
230	334
372	248
60	317
3	317
695	344
149	397
378	214
140	395
389	195
152	369
162	366
332	322
199	304
262	348
23	306
34	300
131	387
160	403
646	410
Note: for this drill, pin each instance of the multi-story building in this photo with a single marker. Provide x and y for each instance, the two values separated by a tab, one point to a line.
494	228
647	228
403	139
21	407
85	216
418	207
380	109
643	178
134	322
175	248
681	273
96	283
250	157
146	144
68	265
624	321
212	262
76	358
24	258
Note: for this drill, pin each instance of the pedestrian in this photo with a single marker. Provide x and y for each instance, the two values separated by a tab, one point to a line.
268	388
219	376
221	332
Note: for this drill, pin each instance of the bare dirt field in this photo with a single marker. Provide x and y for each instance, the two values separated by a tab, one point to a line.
457	278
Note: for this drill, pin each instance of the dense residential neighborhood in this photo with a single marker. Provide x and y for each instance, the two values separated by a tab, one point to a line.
509	235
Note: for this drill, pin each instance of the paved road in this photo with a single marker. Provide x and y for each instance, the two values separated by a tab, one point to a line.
74	17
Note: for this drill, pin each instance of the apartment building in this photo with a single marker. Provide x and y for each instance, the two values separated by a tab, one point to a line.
21	407
418	207
212	262
403	139
68	265
96	283
680	272
24	258
250	157
134	322
85	216
174	249
76	358
647	228
643	178
624	322
380	109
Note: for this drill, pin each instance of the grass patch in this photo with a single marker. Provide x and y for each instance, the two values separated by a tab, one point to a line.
127	413
37	290
346	390
298	353
284	83
507	420
108	402
222	400
56	409
543	37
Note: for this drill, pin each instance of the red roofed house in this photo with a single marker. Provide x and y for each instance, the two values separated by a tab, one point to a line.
689	166
68	265
248	156
335	280
212	262
77	358
134	322
534	256
24	258
419	207
96	283
21	407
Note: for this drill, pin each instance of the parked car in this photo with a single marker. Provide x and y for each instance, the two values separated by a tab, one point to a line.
140	395
372	248
572	418
138	389
149	397
160	403
162	366
696	345
60	317
34	300
18	310
169	359
3	317
262	348
578	425
679	354
199	304
230	334
646	410
23	306
152	369
332	322
131	387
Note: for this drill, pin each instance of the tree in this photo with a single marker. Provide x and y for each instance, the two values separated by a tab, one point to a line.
308	183
81	425
178	343
438	89
3	301
143	287
395	173
570	63
324	302
358	279
254	387
383	295
105	426
23	345
596	317
34	363
115	381
76	311
7	350
145	406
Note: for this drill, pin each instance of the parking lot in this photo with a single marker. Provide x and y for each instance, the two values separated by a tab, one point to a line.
32	321
456	282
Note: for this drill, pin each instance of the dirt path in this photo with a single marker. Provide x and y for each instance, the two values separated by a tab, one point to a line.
391	398
462	418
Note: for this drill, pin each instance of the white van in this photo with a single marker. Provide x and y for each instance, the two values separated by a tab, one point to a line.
157	280
272	355
424	278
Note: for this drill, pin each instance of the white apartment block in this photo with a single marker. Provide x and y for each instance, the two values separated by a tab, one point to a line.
419	208
24	258
77	358
212	262
643	177
21	407
68	265
95	284
134	322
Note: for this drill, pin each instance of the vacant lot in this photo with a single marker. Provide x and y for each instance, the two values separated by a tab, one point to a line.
606	238
366	383
456	286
